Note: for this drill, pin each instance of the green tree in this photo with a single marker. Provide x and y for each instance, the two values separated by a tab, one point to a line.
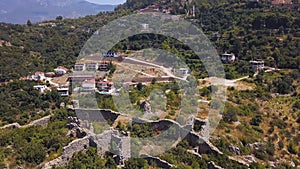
29	23
33	152
59	18
136	163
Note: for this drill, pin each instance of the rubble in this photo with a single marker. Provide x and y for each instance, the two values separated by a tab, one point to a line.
234	150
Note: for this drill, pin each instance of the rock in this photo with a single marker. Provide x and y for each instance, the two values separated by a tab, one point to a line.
62	105
212	165
255	146
145	106
73	120
234	150
250	159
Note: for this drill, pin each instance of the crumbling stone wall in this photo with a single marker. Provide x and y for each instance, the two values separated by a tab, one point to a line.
96	115
40	122
11	126
68	151
159	162
205	146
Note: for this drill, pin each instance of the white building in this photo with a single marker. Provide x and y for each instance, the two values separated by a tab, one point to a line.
183	71
79	67
105	86
228	58
40	88
88	85
92	66
60	70
257	64
39	76
64	92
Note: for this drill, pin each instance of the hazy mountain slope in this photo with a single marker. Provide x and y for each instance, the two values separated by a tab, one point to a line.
19	11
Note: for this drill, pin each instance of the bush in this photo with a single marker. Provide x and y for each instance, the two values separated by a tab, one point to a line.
33	153
136	163
292	148
260	154
255	121
230	114
296	105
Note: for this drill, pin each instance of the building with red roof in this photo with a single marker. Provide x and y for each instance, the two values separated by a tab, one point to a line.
60	70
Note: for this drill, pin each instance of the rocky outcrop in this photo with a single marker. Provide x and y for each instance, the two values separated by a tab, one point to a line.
146	107
234	150
212	165
255	146
155	160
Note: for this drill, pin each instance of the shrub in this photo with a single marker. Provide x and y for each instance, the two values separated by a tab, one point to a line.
292	148
255	121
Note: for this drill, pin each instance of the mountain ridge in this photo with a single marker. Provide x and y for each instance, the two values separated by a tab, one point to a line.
18	12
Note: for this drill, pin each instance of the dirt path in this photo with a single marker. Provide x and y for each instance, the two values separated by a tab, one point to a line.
164	69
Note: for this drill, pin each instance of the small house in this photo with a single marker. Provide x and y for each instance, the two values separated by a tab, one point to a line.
105	86
60	70
183	71
103	66
40	88
79	78
228	58
79	67
39	76
88	85
257	64
92	66
64	92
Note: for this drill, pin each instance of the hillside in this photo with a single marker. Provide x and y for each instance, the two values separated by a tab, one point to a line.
18	12
261	118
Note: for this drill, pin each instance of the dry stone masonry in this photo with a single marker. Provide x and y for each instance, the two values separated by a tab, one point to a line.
120	143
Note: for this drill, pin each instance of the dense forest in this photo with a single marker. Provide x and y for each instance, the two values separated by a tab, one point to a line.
260	32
